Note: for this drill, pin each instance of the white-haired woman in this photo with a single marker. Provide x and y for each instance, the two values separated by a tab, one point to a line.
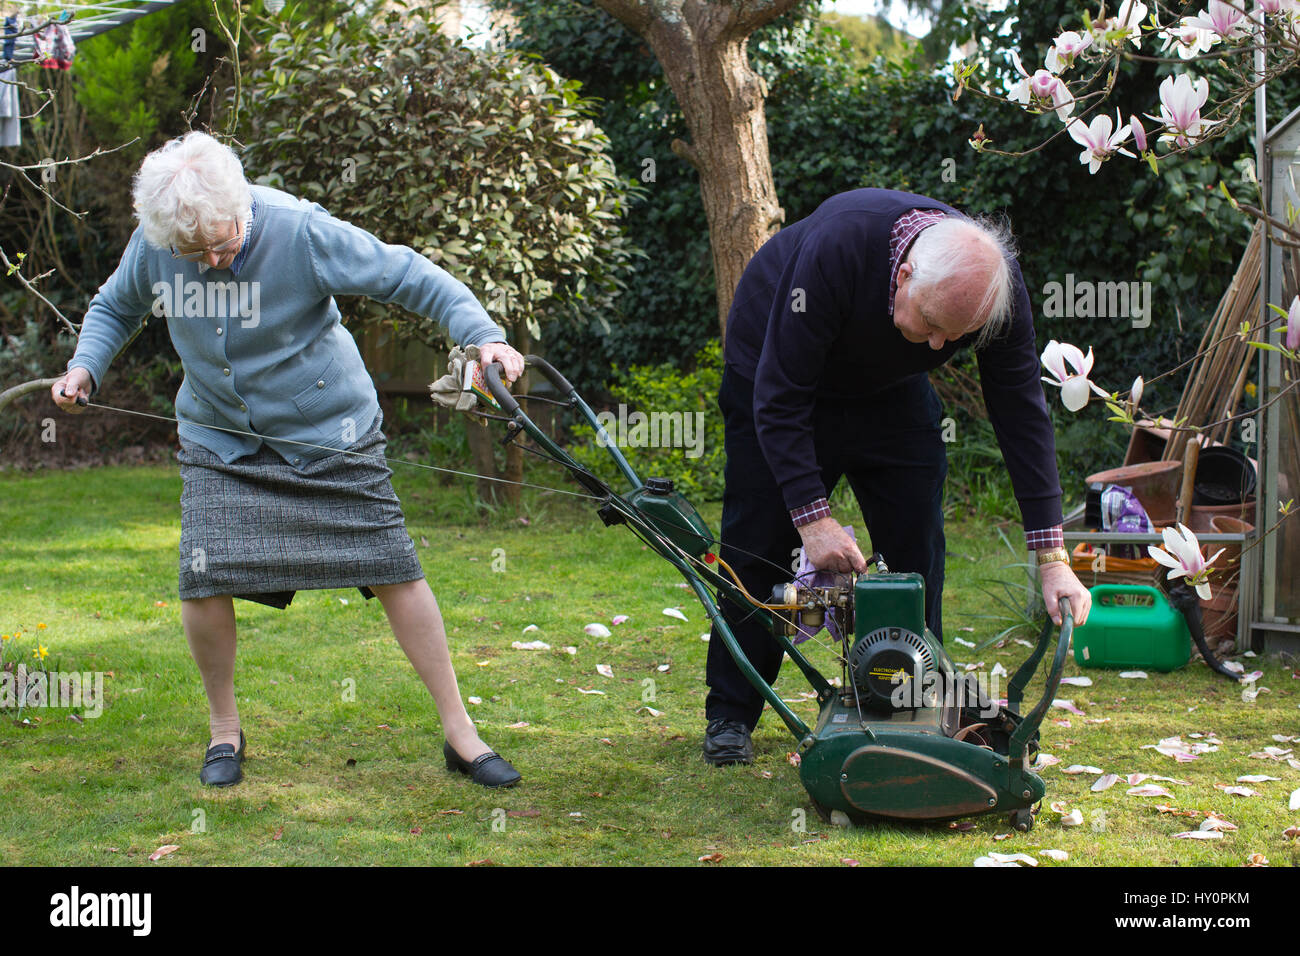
284	483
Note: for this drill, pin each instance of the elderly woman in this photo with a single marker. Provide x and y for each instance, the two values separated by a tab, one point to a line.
285	487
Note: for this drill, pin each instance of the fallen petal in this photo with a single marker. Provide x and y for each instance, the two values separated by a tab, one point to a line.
604	670
531	627
620	619
1294	803
530	645
1256	778
1077	681
1072	819
1105	783
597	630
1133	675
1148	790
1080	768
1199	835
163	851
673	612
1060	856
581	691
1067	705
1237	791
1024	858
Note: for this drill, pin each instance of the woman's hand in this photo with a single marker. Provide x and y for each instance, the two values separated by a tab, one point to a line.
1059	581
829	547
510	360
66	390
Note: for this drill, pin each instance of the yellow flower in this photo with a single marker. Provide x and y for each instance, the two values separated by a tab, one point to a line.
4	637
41	652
1250	389
40	627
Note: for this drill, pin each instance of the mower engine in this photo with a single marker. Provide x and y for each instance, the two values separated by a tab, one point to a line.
905	735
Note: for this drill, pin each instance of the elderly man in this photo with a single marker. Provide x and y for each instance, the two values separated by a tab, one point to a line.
835	323
285	486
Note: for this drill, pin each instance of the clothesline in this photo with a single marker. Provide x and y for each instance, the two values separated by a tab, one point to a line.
91	19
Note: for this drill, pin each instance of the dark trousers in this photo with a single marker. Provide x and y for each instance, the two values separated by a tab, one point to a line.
892	452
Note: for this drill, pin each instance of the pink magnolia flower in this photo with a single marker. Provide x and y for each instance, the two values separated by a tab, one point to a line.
1065	48
1293	325
1074	385
1277	6
1186	560
1139	133
1181	99
1190	39
1226	20
1097	140
1041	91
1129	20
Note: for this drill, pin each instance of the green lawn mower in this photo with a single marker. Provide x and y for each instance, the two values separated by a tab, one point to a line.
905	735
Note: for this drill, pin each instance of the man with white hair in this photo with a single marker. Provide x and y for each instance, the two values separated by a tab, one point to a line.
834	325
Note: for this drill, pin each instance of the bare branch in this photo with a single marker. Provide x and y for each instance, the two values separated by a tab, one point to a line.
18	391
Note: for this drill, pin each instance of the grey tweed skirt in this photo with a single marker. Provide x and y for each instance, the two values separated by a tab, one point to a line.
260	530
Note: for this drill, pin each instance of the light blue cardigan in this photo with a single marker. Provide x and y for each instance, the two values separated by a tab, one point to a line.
261	343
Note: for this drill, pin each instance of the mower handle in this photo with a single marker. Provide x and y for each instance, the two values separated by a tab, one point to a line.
1015	690
492	372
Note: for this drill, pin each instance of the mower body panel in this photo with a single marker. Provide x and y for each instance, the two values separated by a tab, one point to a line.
675	518
907	766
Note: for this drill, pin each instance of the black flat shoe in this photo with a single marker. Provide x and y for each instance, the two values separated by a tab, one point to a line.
489	770
727	742
222	765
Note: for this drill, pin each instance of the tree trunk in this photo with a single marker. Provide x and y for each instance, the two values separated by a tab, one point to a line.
481	440
701	48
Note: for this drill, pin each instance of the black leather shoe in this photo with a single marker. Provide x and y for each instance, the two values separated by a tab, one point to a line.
489	770
727	742
222	765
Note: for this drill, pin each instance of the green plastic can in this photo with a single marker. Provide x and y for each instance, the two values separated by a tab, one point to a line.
1132	626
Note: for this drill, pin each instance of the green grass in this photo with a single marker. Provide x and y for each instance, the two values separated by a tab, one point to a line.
92	556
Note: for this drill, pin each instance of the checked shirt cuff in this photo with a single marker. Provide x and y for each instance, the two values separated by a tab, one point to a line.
1041	538
813	511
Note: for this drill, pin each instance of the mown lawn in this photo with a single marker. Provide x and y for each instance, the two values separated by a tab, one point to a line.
88	569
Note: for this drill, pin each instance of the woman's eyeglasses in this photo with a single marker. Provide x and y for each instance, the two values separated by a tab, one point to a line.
220	249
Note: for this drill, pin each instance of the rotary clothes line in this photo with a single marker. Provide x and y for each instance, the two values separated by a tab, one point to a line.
53	45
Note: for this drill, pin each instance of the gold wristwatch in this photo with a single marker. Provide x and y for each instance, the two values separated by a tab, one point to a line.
1052	555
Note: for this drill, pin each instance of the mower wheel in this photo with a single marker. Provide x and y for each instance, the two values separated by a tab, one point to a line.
1022	820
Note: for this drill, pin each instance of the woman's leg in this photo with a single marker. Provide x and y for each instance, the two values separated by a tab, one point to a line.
417	624
210	630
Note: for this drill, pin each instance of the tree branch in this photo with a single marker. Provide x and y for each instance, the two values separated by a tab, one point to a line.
633	14
18	391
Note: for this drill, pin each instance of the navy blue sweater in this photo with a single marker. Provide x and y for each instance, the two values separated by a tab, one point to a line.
843	347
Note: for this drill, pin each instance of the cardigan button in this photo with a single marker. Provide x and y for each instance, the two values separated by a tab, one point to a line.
321	383
243	407
225	371
218	330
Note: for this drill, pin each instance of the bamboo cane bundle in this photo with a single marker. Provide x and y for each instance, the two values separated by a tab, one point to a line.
1219	374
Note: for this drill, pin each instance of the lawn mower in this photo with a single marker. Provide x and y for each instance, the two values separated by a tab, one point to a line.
903	734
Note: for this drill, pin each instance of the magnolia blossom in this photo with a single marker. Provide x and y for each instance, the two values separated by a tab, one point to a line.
1278	6
1097	140
1139	133
1041	91
1293	325
1065	48
1074	385
1186	560
1135	393
1129	19
1191	39
1181	99
1227	20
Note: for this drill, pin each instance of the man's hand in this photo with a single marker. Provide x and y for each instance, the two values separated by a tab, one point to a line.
829	547
65	391
1059	581
511	360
